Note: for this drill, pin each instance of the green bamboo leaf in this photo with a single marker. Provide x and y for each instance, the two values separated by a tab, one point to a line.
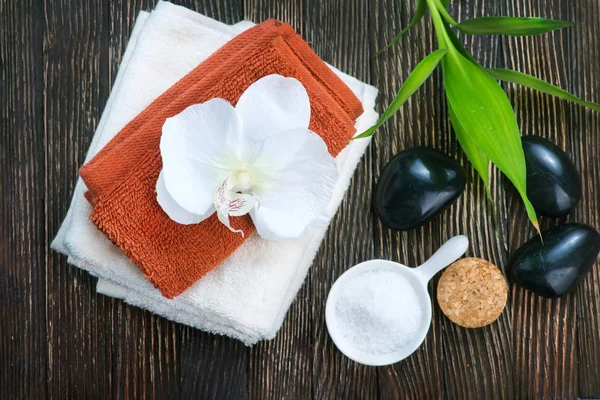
455	41
441	7
420	10
477	158
532	82
513	26
445	3
483	112
414	81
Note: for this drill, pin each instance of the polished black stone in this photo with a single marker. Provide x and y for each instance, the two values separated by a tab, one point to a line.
553	183
415	186
554	267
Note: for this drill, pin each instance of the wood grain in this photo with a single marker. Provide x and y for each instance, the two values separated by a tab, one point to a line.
342	41
212	367
584	145
59	339
553	354
23	356
283	365
419	376
458	362
110	348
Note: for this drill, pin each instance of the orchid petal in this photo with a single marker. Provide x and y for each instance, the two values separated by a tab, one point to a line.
231	203
224	218
197	147
174	210
297	185
240	204
271	105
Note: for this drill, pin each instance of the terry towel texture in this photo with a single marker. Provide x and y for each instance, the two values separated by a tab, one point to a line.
121	179
248	295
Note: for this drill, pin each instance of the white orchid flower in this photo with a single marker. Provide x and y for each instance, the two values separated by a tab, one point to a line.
258	157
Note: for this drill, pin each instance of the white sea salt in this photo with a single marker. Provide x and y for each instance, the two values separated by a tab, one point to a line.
378	311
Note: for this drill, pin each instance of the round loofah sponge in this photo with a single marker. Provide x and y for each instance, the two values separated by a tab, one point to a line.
472	292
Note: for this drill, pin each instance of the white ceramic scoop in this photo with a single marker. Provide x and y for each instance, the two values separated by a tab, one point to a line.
418	277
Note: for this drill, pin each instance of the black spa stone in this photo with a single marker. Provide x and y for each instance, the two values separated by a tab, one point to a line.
553	183
555	266
415	186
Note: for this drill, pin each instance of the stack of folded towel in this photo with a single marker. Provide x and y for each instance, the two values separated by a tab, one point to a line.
217	280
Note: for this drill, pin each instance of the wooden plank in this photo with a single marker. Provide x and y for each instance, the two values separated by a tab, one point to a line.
210	366
22	277
74	60
96	344
302	360
338	31
547	363
584	146
485	354
419	376
59	339
453	362
282	366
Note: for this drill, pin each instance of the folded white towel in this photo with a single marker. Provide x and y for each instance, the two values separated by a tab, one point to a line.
248	295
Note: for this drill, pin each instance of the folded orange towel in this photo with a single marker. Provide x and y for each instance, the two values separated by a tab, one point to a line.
121	179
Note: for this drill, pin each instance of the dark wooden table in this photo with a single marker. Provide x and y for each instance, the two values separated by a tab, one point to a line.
59	339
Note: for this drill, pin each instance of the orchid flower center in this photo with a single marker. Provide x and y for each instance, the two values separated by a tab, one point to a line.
242	181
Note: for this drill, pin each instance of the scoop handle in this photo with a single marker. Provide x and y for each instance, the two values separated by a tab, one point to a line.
446	255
